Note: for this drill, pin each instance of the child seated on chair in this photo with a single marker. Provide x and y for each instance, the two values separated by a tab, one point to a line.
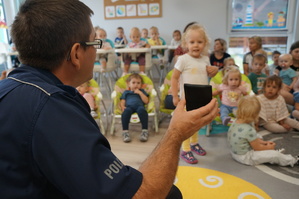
84	91
155	40
175	42
133	101
121	37
274	115
101	34
232	90
245	144
144	33
136	42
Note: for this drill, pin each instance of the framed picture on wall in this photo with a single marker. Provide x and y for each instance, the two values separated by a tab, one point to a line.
255	15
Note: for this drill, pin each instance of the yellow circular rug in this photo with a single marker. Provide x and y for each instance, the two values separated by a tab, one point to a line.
201	183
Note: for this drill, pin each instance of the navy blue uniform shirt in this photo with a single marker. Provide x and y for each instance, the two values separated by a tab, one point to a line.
51	147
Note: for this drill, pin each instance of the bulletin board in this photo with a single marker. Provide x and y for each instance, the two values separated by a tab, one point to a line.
126	9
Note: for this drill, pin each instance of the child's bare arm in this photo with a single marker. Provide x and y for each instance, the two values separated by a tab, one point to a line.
294	80
212	70
216	92
260	145
122	104
175	86
144	98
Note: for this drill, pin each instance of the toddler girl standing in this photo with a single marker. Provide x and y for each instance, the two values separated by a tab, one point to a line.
245	144
274	115
193	68
231	90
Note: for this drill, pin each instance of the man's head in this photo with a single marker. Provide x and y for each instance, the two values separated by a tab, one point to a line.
44	31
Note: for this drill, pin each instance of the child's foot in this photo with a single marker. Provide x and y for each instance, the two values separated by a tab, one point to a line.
295	114
142	73
126	137
198	150
188	157
226	121
94	114
281	150
143	136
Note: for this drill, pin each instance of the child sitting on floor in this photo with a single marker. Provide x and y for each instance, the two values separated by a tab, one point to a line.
274	115
133	101
84	91
232	90
245	144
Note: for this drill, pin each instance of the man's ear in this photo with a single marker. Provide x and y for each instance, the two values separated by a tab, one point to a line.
75	54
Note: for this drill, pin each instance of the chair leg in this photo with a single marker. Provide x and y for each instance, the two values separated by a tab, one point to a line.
156	123
112	125
102	128
208	129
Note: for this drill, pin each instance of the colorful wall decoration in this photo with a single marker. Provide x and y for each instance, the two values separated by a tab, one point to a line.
257	14
125	9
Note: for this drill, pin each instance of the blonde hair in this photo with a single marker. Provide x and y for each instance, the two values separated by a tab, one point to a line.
197	27
134	29
258	40
154	28
229	70
226	60
248	109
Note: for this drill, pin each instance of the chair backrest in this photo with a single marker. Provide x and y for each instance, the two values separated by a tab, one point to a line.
121	86
111	43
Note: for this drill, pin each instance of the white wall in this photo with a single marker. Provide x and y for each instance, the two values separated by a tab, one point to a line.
176	14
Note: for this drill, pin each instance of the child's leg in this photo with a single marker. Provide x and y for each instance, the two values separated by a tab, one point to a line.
267	156
224	111
273	157
186	154
90	100
195	147
141	62
292	123
143	116
274	127
125	118
103	62
127	62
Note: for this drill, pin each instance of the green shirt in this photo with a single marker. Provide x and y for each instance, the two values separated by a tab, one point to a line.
239	137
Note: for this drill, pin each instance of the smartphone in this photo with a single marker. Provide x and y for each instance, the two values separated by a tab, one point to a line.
197	95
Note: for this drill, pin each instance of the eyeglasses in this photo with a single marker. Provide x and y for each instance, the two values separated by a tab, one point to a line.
97	44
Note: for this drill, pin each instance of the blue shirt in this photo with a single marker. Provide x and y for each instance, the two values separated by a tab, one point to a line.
287	76
133	99
51	147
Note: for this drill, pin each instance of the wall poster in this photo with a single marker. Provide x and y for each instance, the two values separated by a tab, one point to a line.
126	9
259	14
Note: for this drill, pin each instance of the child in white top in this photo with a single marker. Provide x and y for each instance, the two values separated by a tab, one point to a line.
194	68
101	34
232	90
246	145
176	38
274	115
